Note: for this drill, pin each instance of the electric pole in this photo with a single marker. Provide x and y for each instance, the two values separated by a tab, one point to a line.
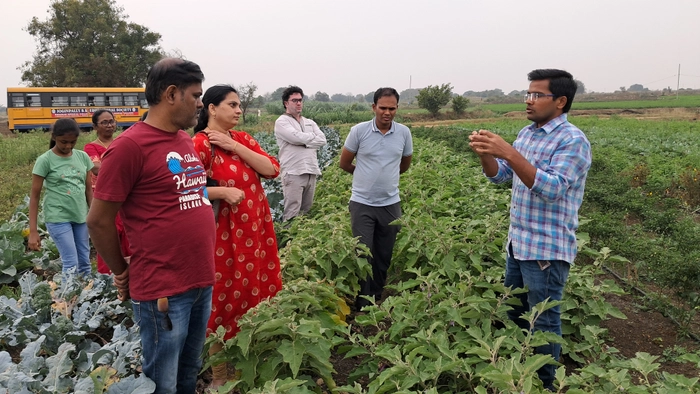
678	86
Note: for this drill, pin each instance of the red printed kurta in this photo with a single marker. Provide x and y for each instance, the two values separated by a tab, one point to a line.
247	263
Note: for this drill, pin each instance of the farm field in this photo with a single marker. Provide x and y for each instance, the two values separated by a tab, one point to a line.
661	102
642	194
640	202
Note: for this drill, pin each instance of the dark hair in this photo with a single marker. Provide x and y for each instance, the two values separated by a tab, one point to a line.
96	115
214	95
561	83
385	92
170	71
143	117
290	91
62	127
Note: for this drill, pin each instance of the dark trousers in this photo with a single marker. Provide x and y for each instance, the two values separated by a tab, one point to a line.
371	224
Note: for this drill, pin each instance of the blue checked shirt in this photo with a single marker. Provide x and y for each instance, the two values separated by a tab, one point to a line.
544	219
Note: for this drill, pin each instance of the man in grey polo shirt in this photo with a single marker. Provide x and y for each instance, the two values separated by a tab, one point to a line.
298	139
382	149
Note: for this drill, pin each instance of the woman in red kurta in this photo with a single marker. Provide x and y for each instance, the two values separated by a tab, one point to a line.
104	124
247	263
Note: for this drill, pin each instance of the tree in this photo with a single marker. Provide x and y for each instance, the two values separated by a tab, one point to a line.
277	94
369	97
408	96
459	104
637	88
322	97
340	98
90	43
259	102
435	97
485	93
580	87
246	94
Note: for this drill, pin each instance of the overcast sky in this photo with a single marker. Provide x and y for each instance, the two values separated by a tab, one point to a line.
360	45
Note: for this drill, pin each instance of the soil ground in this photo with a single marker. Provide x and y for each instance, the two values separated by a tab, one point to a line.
649	331
4	130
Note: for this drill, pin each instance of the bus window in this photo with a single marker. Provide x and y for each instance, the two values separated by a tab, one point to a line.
142	100
59	101
78	101
17	101
97	100
131	99
114	100
33	100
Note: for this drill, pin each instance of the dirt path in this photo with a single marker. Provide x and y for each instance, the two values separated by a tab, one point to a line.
691	114
643	113
4	130
649	331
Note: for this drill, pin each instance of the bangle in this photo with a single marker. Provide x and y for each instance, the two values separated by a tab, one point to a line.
235	146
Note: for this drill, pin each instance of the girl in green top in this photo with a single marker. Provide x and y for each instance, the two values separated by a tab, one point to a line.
63	171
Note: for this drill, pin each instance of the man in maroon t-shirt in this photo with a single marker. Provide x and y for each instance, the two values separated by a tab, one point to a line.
153	175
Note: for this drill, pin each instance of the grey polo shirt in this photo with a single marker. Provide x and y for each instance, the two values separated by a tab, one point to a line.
375	181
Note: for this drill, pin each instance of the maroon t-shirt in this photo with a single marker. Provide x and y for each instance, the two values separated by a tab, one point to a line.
170	223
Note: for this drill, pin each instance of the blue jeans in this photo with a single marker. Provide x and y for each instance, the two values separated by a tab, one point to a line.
541	284
73	245
172	357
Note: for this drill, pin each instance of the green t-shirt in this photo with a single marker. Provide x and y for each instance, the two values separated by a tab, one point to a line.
64	180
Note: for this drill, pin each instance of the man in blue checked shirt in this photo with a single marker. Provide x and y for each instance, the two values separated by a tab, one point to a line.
548	164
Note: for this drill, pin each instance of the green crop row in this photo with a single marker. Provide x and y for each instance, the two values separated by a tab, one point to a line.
443	329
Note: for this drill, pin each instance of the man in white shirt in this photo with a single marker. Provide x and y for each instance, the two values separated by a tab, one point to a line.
298	139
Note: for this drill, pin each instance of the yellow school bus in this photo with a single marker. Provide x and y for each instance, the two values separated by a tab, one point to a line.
39	108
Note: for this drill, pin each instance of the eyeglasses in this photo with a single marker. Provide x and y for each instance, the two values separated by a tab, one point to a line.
108	122
296	101
534	96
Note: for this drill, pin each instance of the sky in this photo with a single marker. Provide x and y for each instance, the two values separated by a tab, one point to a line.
358	46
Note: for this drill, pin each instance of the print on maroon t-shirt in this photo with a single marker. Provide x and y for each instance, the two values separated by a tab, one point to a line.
190	181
